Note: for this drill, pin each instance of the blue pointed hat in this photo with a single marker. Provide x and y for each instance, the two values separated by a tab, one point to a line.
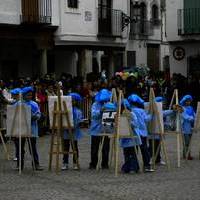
103	95
16	91
25	90
160	99
76	96
185	98
135	99
110	106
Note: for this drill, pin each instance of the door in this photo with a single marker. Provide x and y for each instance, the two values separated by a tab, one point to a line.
153	56
9	69
105	17
30	11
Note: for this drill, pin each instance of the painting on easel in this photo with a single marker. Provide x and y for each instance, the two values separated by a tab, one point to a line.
68	101
18	120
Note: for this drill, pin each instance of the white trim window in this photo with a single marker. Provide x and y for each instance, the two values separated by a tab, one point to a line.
72	4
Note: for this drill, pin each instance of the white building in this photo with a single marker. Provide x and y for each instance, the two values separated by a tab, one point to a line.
147	44
89	36
26	33
183	35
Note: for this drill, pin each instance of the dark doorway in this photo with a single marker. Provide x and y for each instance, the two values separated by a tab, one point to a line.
153	56
9	69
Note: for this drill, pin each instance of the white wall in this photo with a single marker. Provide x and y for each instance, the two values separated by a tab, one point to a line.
10	11
74	27
181	66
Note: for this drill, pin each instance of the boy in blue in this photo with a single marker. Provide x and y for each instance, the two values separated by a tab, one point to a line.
137	107
187	121
128	144
95	130
77	134
35	115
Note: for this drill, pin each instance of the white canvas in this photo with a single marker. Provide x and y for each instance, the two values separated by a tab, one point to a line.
18	120
197	118
156	127
68	101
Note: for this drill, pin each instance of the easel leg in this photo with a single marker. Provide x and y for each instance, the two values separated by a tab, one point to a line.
111	153
117	157
163	146
57	152
4	146
178	150
31	152
51	151
20	155
100	153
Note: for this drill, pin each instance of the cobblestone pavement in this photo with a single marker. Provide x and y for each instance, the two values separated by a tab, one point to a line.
176	183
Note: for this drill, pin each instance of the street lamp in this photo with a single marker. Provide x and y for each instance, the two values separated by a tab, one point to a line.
135	15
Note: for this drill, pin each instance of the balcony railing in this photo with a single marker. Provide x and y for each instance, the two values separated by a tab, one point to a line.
189	21
109	22
36	11
141	28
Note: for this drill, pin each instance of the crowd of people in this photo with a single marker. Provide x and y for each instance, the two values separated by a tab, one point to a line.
135	86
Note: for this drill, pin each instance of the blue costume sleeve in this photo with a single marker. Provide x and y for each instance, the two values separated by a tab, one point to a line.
167	113
147	116
96	112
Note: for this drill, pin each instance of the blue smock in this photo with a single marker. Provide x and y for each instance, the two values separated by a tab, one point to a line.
96	119
77	118
187	119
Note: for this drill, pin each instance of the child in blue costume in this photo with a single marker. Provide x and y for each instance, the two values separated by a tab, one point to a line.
77	134
128	144
137	107
95	130
157	137
35	115
187	122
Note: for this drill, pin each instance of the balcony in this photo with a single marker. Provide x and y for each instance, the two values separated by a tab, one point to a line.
141	28
189	21
36	12
109	22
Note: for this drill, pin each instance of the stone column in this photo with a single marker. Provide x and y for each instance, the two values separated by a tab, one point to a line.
43	62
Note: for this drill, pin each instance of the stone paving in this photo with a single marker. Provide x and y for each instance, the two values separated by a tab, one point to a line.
176	183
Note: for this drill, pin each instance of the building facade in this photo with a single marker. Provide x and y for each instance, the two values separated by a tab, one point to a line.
89	37
147	45
183	35
26	35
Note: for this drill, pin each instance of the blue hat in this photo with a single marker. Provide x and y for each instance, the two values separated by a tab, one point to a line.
110	106
103	95
135	99
16	91
27	89
160	99
126	104
185	98
76	96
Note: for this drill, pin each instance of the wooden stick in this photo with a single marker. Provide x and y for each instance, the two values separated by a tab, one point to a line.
4	146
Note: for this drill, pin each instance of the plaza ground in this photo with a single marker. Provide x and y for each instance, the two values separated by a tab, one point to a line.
176	183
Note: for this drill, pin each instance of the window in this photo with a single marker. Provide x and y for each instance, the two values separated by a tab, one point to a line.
73	3
155	15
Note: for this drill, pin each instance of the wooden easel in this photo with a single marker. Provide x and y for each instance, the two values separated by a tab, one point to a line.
154	111
118	135
56	145
196	129
178	127
4	144
18	110
113	99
